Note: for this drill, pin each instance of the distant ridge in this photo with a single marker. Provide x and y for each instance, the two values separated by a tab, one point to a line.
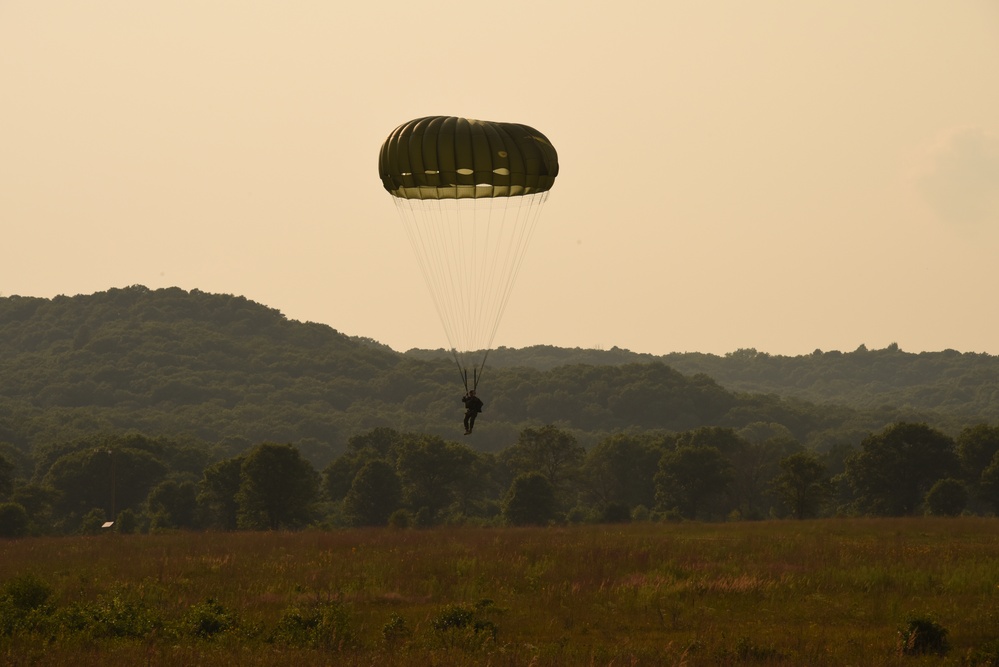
226	370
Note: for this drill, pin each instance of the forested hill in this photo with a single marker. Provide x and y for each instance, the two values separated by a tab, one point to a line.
963	385
225	370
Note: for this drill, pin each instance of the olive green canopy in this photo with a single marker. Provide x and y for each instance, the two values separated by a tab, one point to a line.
444	157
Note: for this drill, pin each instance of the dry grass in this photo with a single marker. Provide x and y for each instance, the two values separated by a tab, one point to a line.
829	592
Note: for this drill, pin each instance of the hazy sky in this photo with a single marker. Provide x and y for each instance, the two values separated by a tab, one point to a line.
778	174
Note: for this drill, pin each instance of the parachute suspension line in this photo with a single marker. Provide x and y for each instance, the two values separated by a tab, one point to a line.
525	222
414	224
480	370
435	236
470	252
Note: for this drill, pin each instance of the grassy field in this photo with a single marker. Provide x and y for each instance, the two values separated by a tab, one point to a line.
828	592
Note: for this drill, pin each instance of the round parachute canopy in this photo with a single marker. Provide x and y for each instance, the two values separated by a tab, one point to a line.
445	157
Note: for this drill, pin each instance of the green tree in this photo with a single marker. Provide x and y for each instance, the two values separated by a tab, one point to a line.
13	520
278	488
976	447
432	471
478	493
948	497
173	504
691	479
381	440
803	485
375	494
219	497
93	522
621	470
379	443
988	486
108	479
530	500
554	453
757	463
725	440
38	501
126	523
754	462
6	478
338	476
895	468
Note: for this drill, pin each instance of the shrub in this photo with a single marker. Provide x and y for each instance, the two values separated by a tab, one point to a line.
451	617
323	625
119	613
92	522
207	619
23	603
986	655
396	632
460	626
400	519
27	592
126	523
923	636
746	650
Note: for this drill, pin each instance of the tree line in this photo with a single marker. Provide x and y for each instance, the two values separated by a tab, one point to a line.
391	478
171	398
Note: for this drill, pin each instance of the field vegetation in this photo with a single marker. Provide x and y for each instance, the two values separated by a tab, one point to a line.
901	591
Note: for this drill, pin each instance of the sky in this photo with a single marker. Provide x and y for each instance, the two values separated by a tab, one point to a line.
776	174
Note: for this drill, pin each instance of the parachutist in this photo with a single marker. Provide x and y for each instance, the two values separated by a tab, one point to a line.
473	406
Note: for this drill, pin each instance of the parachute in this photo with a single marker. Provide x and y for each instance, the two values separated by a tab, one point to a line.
469	193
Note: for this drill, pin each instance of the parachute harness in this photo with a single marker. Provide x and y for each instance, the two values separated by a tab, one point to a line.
470	252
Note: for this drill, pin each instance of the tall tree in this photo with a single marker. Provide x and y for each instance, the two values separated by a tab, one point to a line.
988	484
895	468
219	497
382	440
976	447
621	469
339	475
803	485
173	504
530	500
38	501
378	443
554	453
109	479
13	520
375	493
278	488
6	478
691	478
431	470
